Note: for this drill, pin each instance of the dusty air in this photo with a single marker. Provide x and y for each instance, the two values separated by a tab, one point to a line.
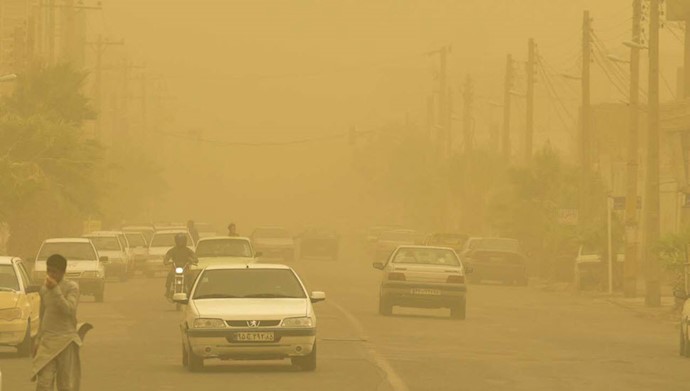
374	195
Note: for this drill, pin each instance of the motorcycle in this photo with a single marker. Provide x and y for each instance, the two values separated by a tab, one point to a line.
178	285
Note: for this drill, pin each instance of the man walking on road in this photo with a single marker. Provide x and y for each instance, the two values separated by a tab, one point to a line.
56	355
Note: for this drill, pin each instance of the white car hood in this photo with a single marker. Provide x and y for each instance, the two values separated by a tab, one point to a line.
251	309
276	242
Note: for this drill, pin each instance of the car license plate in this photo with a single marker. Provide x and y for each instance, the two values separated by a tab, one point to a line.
426	292
255	337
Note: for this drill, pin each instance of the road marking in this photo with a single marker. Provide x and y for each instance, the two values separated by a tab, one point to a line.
392	377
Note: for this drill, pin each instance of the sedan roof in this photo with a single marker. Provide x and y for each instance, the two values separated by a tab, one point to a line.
67	240
248	266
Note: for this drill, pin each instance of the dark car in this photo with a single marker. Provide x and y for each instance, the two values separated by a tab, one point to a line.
508	267
319	243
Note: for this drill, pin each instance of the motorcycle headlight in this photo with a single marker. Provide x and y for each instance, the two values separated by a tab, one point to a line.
203	323
91	274
298	322
179	270
10	314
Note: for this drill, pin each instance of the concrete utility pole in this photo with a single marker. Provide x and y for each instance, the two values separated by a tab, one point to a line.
444	103
508	85
652	269
631	229
100	46
468	102
585	116
529	116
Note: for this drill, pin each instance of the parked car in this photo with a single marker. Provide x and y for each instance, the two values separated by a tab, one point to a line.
592	270
84	266
161	242
274	242
248	312
223	250
486	243
109	244
496	265
423	277
319	242
19	306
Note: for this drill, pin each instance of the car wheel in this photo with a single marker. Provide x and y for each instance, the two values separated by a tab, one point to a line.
459	311
195	363
306	363
385	307
24	349
185	357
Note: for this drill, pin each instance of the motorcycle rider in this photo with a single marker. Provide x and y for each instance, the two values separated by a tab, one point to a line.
180	256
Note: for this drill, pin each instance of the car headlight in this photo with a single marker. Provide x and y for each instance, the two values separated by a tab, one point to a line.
203	323
91	274
10	314
298	322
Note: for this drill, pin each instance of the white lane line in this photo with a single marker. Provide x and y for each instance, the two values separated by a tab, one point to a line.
391	376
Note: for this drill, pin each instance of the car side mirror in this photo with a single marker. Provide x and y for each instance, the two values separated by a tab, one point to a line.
33	289
258	254
317	297
181	298
378	265
104	259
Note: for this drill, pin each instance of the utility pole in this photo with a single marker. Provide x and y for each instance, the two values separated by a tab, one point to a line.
631	228
100	47
508	86
468	101
529	116
444	104
585	116
652	272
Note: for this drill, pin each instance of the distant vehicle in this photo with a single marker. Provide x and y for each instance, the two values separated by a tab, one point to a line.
249	312
498	244
108	244
390	240
319	242
505	266
19	306
205	230
161	242
592	270
139	247
452	240
146	230
274	242
423	277
223	250
84	266
373	233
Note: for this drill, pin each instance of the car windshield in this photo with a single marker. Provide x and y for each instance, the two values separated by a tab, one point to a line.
105	243
136	240
165	240
399	236
271	233
223	248
426	256
8	278
248	283
73	251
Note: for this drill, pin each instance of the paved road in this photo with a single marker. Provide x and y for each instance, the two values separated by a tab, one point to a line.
514	339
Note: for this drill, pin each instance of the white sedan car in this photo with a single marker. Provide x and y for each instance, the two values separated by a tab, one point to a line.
249	312
223	250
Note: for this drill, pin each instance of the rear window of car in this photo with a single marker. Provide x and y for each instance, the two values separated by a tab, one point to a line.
136	239
73	251
105	243
424	256
167	240
249	283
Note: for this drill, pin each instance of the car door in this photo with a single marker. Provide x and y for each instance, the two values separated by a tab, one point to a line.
33	298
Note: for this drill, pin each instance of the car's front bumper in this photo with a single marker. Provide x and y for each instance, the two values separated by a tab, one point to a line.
221	343
426	295
12	332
